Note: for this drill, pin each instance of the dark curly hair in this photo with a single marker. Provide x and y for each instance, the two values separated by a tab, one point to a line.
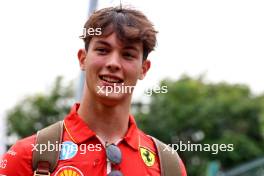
130	26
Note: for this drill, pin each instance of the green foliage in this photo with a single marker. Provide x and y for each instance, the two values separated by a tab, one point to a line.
192	110
38	111
205	113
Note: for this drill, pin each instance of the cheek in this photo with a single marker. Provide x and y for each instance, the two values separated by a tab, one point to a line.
93	67
132	70
94	64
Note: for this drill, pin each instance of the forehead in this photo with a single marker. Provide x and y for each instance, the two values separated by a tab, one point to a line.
113	41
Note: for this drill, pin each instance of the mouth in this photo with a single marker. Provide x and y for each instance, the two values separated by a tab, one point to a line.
111	79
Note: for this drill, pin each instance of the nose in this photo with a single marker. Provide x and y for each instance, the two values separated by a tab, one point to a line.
113	62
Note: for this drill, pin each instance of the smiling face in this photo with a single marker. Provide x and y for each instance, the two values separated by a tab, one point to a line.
110	65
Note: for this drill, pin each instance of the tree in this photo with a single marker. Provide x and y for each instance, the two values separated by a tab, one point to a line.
196	112
40	110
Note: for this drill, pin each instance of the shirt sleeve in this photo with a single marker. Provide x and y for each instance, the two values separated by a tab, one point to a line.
17	160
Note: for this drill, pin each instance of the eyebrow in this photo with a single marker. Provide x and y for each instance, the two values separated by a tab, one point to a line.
131	47
109	45
103	43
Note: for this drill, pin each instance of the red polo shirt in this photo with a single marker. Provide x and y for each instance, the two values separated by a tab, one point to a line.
83	154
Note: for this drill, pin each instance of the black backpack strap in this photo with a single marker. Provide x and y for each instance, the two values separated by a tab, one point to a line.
45	161
169	159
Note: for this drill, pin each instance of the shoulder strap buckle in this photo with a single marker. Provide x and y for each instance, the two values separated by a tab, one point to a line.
41	174
42	169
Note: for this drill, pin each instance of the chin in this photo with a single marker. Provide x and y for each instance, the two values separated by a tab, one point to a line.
113	99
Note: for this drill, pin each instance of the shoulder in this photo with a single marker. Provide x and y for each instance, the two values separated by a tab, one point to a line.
24	147
146	141
19	156
165	151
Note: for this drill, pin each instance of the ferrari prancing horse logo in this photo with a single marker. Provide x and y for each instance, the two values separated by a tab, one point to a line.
147	156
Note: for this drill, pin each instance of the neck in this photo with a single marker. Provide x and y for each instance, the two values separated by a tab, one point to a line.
110	123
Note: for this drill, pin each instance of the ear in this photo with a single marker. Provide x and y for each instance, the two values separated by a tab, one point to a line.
144	69
81	57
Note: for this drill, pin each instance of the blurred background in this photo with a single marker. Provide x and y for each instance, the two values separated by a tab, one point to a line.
209	56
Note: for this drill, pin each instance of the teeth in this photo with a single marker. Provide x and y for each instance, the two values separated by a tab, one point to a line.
110	79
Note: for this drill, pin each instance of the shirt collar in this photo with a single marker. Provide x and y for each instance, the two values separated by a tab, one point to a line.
79	131
132	135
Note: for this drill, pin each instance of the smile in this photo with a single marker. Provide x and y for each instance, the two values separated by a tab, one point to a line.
111	79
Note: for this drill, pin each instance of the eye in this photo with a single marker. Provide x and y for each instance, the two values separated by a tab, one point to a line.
129	55
101	51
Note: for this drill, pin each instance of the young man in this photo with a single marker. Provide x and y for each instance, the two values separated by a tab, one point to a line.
100	136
